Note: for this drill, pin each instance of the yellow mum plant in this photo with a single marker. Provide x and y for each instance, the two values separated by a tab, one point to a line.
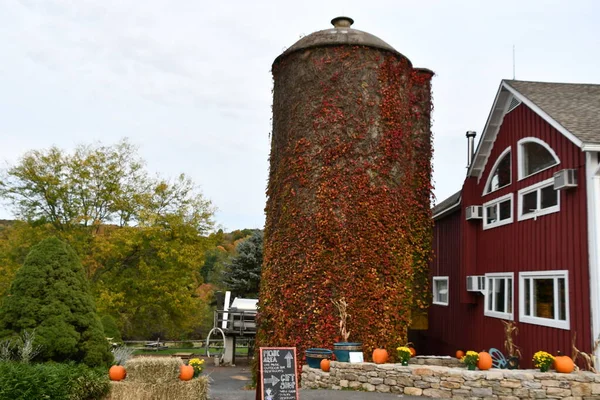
471	358
543	360
198	365
404	354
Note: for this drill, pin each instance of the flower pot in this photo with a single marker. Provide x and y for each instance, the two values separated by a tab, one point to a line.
471	367
315	355
342	350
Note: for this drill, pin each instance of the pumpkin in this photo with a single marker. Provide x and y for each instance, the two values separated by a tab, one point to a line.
380	356
325	365
485	361
186	372
413	352
117	373
564	364
460	354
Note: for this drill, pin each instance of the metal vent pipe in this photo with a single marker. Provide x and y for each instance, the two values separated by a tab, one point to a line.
470	147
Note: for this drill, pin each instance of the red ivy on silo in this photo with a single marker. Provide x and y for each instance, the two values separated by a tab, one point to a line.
348	199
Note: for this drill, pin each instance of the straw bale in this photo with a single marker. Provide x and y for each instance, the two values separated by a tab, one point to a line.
196	389
155	370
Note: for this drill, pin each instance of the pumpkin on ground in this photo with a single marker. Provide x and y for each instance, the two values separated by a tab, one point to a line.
380	356
117	373
485	361
325	365
460	354
413	352
564	364
186	372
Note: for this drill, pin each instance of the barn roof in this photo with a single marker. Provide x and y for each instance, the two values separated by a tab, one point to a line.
571	108
446	206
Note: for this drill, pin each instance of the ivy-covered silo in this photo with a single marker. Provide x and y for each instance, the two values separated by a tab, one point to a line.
348	208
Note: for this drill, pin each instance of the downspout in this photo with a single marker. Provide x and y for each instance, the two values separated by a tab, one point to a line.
592	184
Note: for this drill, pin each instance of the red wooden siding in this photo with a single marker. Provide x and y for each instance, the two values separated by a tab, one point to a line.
556	241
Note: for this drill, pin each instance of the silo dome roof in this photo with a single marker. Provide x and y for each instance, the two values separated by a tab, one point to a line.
340	34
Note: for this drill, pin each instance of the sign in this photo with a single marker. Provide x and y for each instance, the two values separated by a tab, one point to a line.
278	373
356	356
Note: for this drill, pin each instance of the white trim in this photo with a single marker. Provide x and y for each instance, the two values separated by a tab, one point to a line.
496	314
592	182
521	159
543	114
440	279
498	200
528	319
493	170
538	212
590	147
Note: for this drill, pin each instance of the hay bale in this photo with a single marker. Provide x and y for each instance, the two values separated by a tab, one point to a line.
196	389
155	370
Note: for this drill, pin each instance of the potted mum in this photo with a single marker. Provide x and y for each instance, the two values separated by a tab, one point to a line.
543	360
198	365
470	359
404	354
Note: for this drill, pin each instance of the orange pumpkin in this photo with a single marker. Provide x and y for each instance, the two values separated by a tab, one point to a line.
460	354
485	361
380	356
564	364
325	365
413	352
186	372
117	373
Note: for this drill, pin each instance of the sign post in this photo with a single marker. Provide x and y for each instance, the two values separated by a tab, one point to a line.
278	373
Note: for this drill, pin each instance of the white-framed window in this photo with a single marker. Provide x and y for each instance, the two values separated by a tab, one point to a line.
539	199
440	290
499	295
498	212
544	298
534	155
501	174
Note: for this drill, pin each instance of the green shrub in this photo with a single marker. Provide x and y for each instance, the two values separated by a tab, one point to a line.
54	381
50	294
110	329
185	345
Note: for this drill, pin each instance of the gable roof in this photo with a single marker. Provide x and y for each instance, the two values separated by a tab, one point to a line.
571	108
446	206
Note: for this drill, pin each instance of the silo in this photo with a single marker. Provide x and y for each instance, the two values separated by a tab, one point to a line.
348	197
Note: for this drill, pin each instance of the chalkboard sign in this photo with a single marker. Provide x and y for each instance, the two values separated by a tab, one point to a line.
278	373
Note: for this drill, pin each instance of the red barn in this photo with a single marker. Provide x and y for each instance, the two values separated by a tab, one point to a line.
521	240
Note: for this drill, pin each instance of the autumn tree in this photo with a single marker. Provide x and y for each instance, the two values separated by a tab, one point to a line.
242	273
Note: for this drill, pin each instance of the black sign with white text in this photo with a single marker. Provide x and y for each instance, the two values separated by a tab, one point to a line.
278	373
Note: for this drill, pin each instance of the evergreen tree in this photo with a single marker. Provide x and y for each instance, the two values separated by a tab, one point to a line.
242	273
110	329
50	294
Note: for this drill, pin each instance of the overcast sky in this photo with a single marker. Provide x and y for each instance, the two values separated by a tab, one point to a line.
189	81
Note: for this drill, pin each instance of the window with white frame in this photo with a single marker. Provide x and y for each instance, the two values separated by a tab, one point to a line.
534	155
501	174
499	295
440	290
544	298
538	199
498	212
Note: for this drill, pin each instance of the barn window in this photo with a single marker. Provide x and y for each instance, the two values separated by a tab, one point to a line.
539	199
534	156
501	173
498	212
499	295
440	290
544	298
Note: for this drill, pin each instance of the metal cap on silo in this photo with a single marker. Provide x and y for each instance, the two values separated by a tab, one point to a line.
342	33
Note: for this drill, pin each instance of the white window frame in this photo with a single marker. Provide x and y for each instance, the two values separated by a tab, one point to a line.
521	157
435	293
500	275
539	212
497	202
529	319
493	170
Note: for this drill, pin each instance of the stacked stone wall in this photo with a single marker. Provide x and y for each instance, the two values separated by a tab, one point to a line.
455	383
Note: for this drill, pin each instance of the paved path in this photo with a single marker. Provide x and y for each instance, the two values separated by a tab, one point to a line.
228	384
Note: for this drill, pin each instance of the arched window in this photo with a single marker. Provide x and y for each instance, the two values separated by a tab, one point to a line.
535	156
501	173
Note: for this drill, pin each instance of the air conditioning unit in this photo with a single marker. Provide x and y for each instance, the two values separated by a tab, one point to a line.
474	212
476	283
564	179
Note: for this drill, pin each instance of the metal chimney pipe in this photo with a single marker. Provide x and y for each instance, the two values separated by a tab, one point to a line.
470	147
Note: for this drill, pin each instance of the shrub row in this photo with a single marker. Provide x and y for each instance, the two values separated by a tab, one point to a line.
55	381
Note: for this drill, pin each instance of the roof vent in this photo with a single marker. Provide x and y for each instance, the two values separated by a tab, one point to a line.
514	103
342	22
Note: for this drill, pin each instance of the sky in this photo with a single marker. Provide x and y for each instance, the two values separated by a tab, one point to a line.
189	81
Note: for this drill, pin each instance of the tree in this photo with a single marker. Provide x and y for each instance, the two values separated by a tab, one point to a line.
51	295
242	274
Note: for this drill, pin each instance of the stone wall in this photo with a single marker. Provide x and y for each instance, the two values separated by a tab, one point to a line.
456	383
